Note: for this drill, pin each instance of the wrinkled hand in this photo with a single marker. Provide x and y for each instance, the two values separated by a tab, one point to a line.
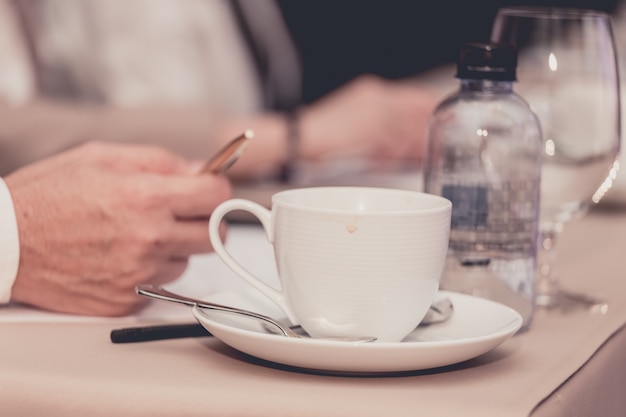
369	117
99	219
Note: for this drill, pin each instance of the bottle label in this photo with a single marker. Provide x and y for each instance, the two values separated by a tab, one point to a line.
469	205
488	218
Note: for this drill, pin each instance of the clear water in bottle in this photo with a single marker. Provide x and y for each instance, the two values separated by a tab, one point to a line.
484	154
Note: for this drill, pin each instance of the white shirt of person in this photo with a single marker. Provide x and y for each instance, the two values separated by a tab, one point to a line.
9	244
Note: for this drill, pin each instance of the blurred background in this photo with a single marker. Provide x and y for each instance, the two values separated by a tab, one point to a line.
339	40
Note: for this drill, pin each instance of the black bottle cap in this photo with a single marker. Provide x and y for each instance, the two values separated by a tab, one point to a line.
487	61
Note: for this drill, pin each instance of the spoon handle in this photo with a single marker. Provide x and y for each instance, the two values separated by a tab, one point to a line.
161	293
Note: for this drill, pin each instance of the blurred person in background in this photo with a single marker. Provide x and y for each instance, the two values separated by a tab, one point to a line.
188	75
191	74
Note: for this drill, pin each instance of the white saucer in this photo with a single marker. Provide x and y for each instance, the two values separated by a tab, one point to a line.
476	327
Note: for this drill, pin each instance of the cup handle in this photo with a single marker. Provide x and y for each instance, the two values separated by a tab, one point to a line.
264	216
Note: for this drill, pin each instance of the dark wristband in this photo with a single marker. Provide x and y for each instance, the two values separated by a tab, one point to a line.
292	143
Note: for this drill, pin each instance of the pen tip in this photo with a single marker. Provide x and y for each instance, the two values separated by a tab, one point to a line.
249	133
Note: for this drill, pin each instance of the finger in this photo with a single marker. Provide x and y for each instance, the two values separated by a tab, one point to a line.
170	271
96	304
190	237
194	197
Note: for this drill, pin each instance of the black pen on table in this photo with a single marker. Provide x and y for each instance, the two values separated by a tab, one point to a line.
158	332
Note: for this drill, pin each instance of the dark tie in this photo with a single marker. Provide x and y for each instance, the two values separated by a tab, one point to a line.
273	51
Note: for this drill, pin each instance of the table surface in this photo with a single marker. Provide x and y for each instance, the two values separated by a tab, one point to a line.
567	364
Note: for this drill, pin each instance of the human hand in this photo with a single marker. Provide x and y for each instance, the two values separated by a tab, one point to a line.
99	219
369	117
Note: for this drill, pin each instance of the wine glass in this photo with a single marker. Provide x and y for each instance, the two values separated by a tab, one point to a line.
567	71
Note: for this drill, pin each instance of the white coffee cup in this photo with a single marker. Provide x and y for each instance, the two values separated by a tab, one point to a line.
352	261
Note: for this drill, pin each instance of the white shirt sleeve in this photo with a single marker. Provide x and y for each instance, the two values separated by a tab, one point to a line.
9	243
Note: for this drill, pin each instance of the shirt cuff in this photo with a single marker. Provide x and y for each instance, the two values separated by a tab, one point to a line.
9	243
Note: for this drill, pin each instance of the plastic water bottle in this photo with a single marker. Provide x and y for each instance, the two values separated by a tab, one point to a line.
484	154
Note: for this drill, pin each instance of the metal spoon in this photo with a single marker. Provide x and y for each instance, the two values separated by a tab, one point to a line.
440	311
161	293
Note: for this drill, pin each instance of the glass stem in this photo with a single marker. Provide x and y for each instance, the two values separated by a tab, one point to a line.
547	285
